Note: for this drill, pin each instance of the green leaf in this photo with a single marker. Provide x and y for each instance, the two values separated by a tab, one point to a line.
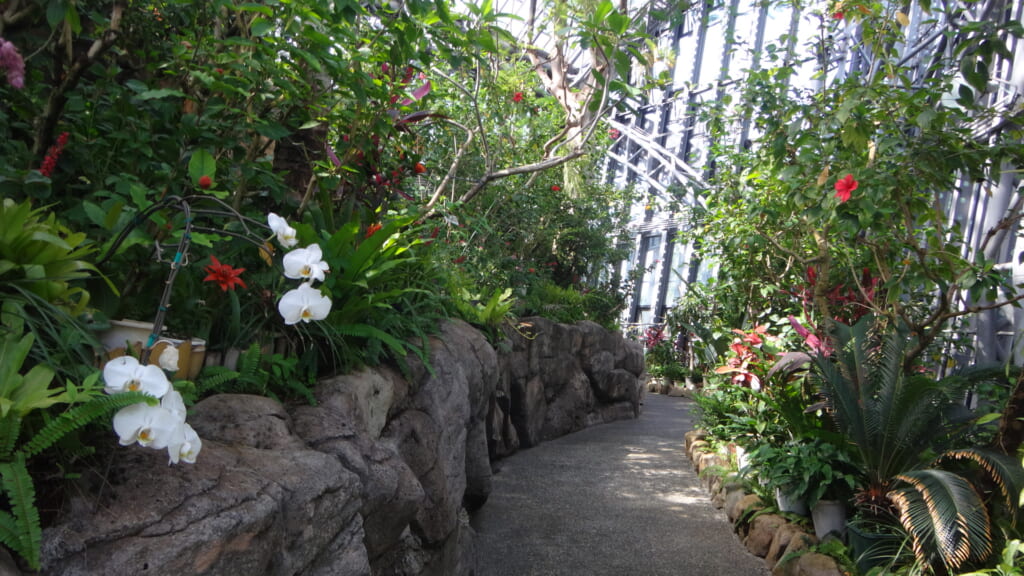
988	418
271	130
55	12
160	93
201	164
72	19
253	7
261	27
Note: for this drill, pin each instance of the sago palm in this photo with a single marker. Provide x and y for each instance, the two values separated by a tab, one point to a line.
899	426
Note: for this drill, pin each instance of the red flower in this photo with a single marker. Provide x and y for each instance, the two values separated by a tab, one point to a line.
556	188
225	276
372	229
614	133
419	168
205	182
53	154
531	270
517	97
844	187
837	16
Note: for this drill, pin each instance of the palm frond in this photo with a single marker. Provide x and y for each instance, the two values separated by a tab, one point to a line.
1006	472
944	515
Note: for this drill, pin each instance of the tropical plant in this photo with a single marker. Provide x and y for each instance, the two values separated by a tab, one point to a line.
1011	562
903	432
808	469
24	396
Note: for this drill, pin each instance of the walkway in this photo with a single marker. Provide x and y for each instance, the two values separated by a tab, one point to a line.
618	499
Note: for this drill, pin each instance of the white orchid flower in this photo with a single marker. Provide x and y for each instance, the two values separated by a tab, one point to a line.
174	403
125	374
169	359
285	233
185	446
304	303
306	264
152	426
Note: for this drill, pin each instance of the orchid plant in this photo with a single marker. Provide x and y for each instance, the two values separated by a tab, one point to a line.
163	425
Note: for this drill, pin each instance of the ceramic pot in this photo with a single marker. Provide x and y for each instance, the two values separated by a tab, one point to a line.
829	517
789	503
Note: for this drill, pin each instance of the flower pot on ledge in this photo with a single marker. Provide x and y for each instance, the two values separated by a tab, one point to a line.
124	335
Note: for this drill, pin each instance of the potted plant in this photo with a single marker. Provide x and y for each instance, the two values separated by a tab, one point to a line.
674	373
804	471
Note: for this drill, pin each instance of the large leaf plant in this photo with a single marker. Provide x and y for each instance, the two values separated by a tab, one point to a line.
904	428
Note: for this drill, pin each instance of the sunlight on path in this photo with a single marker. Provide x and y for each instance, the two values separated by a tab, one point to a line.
618	499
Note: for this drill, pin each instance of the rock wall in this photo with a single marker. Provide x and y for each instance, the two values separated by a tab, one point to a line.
377	478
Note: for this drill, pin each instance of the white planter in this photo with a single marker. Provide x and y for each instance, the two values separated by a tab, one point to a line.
791	504
124	334
829	516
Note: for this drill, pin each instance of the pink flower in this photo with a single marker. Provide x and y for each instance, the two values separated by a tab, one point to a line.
844	187
12	62
614	133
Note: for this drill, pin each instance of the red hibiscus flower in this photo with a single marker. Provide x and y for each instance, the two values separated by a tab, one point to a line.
517	97
844	187
225	276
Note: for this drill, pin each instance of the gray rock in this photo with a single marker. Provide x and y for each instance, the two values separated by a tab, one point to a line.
245	420
238	510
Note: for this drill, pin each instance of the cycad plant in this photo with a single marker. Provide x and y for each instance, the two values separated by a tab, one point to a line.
902	430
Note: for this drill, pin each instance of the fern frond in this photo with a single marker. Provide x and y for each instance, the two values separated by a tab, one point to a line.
17	485
10	429
9	532
216	377
78	417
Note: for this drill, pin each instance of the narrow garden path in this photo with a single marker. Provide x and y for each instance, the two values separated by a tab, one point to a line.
618	499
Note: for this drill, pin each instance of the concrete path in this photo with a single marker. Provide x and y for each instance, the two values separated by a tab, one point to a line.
618	499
